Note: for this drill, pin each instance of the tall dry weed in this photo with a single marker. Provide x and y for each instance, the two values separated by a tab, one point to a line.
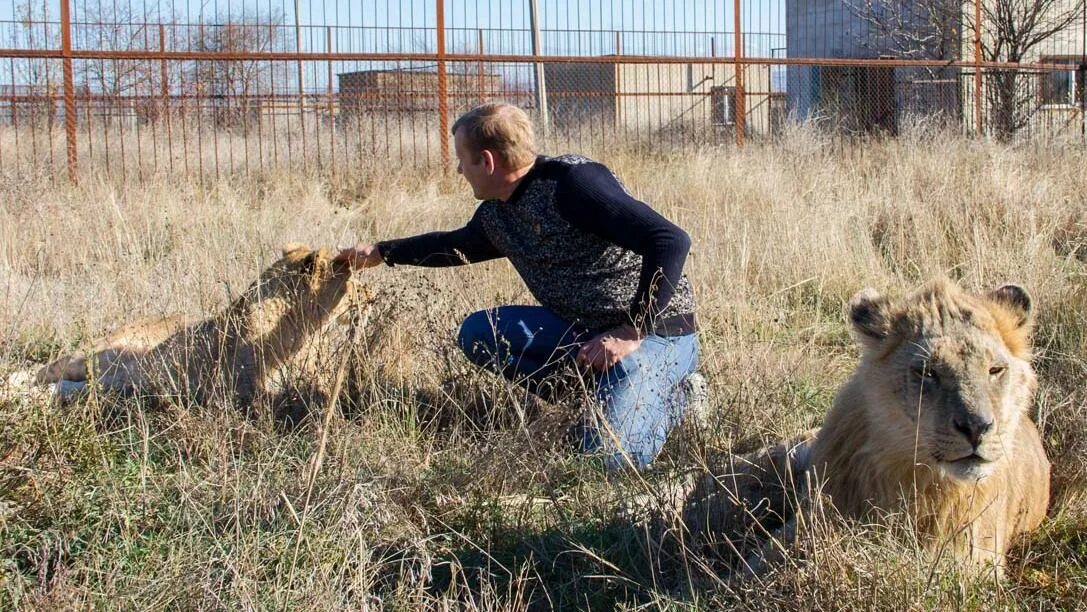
419	503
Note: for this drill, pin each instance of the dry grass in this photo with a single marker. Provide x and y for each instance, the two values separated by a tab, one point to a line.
114	504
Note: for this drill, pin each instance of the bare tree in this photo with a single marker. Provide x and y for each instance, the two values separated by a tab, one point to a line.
103	25
34	28
119	27
928	29
1011	30
1016	29
113	27
236	86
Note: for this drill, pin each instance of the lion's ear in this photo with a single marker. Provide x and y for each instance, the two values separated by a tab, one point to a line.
309	263
870	314
1016	301
292	247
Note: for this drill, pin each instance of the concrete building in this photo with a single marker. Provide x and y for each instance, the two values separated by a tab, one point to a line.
414	90
865	98
875	98
653	97
28	105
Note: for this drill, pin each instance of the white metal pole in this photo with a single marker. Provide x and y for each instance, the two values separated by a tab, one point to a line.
541	83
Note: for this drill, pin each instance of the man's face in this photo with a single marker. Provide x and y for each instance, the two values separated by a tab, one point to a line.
473	167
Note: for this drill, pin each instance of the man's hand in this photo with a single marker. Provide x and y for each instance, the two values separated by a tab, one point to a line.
360	256
607	349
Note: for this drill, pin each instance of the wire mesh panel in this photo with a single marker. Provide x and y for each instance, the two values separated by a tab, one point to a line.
133	88
30	85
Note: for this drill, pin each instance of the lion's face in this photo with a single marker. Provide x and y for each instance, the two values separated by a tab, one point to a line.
950	371
305	287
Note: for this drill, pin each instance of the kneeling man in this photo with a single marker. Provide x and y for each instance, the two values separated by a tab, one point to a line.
606	269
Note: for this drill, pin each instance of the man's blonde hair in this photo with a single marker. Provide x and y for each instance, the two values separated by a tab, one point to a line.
502	128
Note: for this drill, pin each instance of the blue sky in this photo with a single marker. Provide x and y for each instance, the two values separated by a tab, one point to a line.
649	26
569	27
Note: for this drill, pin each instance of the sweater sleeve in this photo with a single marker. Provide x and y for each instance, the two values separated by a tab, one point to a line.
590	198
468	244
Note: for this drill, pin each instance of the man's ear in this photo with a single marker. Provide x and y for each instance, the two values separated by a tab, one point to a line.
489	160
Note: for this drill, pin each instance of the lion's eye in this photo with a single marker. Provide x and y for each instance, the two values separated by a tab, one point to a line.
926	374
997	370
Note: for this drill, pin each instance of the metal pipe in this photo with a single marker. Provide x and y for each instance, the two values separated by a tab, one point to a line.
443	89
738	107
301	90
617	100
331	106
541	81
81	54
482	87
165	90
69	89
977	68
1083	77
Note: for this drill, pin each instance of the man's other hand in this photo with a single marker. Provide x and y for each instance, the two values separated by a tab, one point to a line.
607	349
360	256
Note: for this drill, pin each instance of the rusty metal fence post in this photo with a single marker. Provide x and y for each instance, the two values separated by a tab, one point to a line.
739	106
443	89
482	85
977	69
165	91
331	105
69	88
301	81
617	117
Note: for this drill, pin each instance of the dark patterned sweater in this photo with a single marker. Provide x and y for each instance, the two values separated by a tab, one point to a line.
586	249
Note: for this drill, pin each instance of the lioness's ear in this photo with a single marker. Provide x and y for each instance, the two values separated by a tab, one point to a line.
309	263
869	312
1015	300
340	266
291	247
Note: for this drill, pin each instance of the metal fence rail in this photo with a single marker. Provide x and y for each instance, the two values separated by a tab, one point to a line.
134	89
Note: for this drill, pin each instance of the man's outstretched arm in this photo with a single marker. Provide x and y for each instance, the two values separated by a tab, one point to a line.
436	249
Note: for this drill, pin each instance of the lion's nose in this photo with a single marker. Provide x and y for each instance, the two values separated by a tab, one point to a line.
973	427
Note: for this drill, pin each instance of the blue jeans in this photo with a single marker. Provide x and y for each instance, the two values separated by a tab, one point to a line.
639	399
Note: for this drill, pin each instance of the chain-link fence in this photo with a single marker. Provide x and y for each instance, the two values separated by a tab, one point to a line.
134	88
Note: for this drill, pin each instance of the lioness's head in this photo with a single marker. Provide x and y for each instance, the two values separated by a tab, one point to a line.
296	293
949	372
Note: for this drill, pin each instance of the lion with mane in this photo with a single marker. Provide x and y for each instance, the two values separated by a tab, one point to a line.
934	424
